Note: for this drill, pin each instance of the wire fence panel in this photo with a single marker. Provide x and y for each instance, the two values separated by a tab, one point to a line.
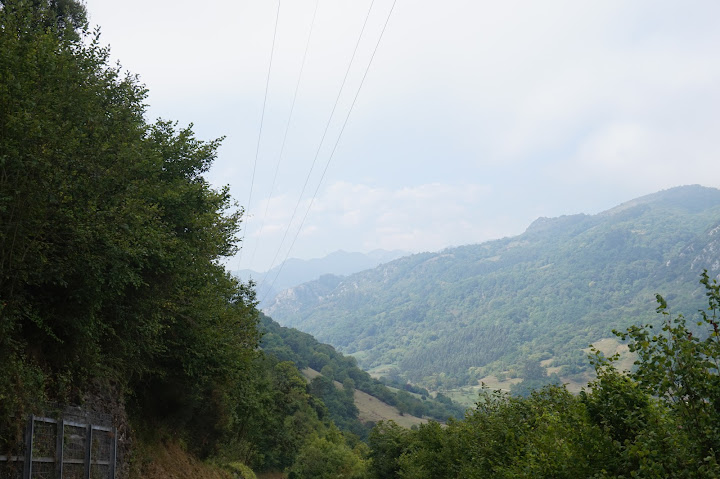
102	446
100	471
64	448
44	440
43	470
10	469
73	471
74	443
102	452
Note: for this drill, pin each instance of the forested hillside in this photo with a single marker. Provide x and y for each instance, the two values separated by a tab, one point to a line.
303	350
448	318
659	421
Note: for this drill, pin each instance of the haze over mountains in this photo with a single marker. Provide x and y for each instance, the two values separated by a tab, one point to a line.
451	317
298	271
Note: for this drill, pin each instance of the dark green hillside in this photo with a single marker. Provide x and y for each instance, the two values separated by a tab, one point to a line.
289	344
620	425
447	318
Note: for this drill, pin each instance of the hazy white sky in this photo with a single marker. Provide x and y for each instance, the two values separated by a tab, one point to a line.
476	117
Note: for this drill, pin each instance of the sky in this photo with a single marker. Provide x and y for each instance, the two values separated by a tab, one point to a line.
474	117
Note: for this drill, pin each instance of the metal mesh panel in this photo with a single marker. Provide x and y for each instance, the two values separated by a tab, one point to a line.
86	417
46	432
11	470
101	446
43	470
100	471
44	440
74	443
73	471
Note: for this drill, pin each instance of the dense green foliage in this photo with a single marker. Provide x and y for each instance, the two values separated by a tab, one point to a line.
305	351
111	241
534	377
660	420
110	237
329	458
446	319
274	416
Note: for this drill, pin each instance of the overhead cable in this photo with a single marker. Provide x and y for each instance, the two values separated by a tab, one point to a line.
262	120
332	153
322	140
287	127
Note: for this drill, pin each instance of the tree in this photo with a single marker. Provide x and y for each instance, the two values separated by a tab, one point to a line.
110	237
328	458
387	442
679	366
534	377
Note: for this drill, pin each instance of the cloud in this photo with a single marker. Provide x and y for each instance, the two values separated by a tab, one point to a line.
360	217
475	118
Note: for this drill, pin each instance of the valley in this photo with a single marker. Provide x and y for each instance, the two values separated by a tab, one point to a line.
460	316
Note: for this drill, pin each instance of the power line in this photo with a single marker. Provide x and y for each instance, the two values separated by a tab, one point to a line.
322	139
287	126
262	120
332	153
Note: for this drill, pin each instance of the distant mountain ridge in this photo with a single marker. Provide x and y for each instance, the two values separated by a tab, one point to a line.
297	271
450	317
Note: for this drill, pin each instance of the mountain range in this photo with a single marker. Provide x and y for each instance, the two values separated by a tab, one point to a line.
297	271
448	318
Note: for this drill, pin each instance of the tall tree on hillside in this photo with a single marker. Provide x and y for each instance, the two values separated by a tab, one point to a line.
110	236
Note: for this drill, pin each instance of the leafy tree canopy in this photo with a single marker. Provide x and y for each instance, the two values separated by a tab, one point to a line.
110	236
